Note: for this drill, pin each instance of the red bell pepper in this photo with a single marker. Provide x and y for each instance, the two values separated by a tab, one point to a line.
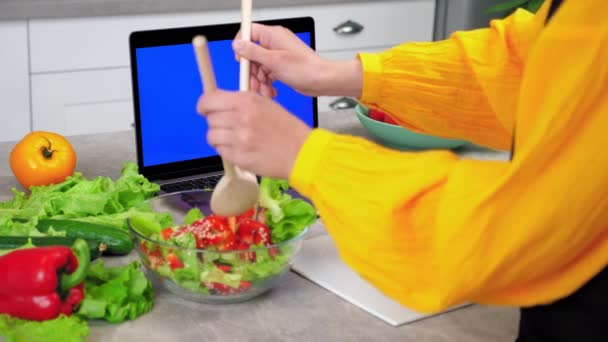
43	282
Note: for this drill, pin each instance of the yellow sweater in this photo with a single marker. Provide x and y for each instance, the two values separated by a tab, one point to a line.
432	230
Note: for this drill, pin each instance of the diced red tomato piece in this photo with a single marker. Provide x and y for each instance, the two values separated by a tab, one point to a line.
389	120
244	285
166	233
143	247
174	261
254	232
225	289
246	215
224	268
212	231
241	246
220	288
228	245
273	252
245	233
156	259
376	114
199	242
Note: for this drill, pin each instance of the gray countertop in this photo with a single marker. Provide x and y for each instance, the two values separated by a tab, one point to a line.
297	310
30	9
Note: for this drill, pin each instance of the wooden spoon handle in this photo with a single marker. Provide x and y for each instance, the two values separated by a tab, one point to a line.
245	64
201	51
203	60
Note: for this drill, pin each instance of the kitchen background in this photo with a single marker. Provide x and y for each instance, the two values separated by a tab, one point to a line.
64	64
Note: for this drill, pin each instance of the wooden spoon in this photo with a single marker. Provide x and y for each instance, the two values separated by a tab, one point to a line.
238	190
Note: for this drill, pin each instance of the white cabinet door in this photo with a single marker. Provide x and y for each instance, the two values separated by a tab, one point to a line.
83	102
101	42
14	81
381	23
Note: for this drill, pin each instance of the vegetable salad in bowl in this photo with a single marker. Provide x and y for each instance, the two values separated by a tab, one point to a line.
204	257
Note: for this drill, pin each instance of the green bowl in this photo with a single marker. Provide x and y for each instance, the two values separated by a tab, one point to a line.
401	138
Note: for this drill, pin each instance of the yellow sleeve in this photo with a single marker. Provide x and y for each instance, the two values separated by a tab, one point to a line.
464	87
432	230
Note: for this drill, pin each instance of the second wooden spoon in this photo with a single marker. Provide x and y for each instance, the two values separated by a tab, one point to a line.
238	190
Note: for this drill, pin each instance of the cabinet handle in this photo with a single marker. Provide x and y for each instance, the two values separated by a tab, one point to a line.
348	28
343	103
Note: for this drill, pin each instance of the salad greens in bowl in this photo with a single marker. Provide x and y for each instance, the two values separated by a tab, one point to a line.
201	256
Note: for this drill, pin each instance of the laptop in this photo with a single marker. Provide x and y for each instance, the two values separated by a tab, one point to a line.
172	149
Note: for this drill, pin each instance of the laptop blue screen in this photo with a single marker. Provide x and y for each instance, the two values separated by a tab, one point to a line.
169	88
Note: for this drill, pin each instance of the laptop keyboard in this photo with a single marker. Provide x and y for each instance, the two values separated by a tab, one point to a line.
192	184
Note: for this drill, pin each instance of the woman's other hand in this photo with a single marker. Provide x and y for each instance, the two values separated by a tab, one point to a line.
281	55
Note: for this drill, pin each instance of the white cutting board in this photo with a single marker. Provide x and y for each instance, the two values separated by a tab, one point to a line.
319	262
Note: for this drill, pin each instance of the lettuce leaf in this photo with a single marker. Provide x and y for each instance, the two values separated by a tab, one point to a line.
210	273
272	196
100	200
116	293
287	217
63	328
193	215
265	266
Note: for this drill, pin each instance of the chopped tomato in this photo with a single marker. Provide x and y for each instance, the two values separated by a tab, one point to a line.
376	114
273	252
244	285
225	289
241	246
254	232
227	245
156	259
213	231
166	233
222	289
174	261
143	247
246	215
224	268
389	120
245	234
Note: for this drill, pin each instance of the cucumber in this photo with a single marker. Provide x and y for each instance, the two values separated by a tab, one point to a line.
118	241
12	242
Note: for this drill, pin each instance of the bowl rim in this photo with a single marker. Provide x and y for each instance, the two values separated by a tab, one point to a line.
359	107
251	249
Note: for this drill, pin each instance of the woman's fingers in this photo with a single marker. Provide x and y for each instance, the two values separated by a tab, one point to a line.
217	101
266	91
261	75
222	119
254	85
220	137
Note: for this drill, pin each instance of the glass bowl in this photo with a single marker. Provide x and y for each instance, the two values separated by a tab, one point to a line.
205	275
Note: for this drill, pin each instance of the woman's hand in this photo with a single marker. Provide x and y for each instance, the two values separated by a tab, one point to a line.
253	132
281	55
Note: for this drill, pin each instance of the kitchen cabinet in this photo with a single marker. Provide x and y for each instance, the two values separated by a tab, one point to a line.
81	80
14	81
364	25
79	67
60	45
82	102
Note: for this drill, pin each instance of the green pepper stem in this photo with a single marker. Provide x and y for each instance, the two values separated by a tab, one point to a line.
83	255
